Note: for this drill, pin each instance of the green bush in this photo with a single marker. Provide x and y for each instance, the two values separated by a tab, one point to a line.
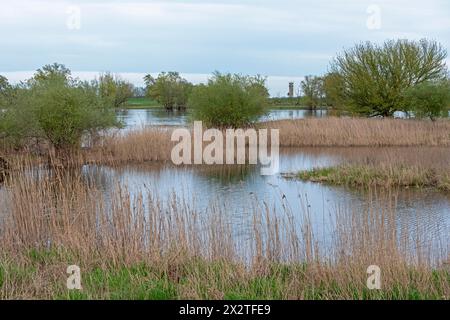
373	78
429	100
229	100
169	89
114	89
57	109
313	91
4	91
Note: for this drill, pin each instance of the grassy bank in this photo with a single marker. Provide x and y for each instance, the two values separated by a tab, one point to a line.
291	107
141	103
147	246
197	278
387	176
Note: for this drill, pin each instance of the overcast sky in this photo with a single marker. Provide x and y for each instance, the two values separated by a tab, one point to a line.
283	38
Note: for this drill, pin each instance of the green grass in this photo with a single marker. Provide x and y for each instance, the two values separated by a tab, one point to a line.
383	176
196	278
146	103
137	283
291	107
141	103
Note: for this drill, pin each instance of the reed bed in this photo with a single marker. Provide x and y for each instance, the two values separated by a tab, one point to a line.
153	144
416	167
386	176
350	132
139	145
148	246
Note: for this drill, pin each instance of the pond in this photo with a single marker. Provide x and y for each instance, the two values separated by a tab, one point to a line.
237	189
160	117
133	118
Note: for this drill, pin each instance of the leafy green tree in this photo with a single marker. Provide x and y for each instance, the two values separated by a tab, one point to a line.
333	85
375	77
5	91
169	89
183	89
58	110
429	99
4	84
115	89
52	72
229	100
17	123
312	87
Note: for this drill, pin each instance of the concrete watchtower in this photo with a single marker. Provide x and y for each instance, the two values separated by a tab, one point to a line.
291	90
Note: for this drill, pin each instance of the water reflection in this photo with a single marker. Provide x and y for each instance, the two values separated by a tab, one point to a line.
238	188
133	118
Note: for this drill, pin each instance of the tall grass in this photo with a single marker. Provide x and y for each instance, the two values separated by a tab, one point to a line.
153	144
141	145
418	167
146	246
348	132
385	176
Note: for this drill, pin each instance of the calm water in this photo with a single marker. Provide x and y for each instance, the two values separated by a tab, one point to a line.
236	190
158	116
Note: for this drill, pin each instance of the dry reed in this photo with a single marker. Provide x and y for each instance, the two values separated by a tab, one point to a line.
349	132
153	144
49	221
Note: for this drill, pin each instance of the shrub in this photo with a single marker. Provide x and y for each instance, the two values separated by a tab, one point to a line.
313	91
375	78
115	89
169	89
230	100
430	100
57	109
4	91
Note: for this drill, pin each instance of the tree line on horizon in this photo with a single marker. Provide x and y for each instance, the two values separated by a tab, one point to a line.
367	80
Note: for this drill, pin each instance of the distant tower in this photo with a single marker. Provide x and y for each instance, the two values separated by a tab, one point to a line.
291	90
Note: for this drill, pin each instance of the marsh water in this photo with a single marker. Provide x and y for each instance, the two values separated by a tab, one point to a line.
160	117
237	189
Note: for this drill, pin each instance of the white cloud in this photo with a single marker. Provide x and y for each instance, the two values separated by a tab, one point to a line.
273	37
